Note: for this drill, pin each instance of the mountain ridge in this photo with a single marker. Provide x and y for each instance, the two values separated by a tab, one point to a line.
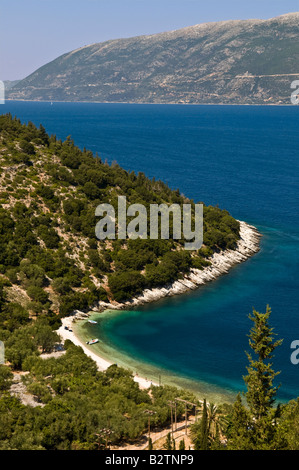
228	62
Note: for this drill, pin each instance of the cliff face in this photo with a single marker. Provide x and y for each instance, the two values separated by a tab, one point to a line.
231	62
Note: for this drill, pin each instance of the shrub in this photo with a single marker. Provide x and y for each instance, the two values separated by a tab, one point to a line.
27	147
38	294
127	284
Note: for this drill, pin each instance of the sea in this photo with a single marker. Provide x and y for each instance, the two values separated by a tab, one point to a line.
245	159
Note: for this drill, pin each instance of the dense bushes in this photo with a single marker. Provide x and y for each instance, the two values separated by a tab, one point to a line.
54	229
27	147
125	285
50	257
78	401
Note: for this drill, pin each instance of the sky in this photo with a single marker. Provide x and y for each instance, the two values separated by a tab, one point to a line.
34	32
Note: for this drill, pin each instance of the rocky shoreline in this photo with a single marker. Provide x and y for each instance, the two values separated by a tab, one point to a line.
221	263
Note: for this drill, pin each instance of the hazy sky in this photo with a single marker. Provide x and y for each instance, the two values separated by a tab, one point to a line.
34	32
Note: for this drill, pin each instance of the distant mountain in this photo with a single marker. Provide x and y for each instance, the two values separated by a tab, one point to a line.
233	62
10	84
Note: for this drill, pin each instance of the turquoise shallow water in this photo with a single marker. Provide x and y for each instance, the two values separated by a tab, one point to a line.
202	335
246	160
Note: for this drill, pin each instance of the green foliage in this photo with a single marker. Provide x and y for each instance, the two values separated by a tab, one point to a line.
238	429
12	316
125	285
78	401
38	294
287	435
27	147
6	377
46	338
182	445
31	274
202	441
61	219
168	443
48	251
261	392
254	428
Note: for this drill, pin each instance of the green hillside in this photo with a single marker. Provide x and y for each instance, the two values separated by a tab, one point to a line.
51	263
50	258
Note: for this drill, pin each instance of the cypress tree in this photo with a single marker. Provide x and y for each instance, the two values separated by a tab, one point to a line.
182	445
261	391
168	443
202	442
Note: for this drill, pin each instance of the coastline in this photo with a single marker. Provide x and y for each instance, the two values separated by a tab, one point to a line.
147	103
221	263
102	363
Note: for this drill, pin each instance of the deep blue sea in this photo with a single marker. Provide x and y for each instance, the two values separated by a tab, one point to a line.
246	160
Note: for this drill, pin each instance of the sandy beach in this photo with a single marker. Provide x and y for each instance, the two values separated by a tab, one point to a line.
101	363
221	263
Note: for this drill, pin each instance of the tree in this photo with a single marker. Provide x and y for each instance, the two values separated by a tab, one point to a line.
27	147
43	135
6	377
38	294
168	442
239	428
261	392
287	436
91	190
182	445
46	338
202	442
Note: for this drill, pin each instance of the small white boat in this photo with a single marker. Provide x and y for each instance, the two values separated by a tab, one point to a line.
92	341
92	322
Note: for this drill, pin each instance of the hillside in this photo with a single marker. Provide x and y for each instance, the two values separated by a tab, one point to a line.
50	260
51	264
230	62
9	84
